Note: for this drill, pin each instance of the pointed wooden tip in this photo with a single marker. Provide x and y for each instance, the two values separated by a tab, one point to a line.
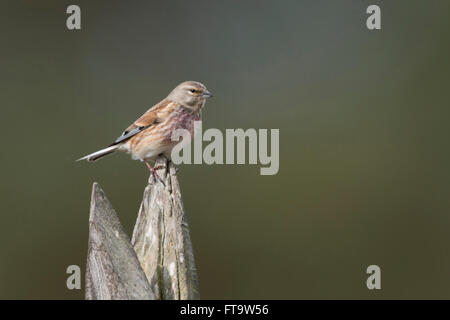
162	241
113	270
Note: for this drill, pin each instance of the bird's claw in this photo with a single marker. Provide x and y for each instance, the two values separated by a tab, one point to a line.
154	173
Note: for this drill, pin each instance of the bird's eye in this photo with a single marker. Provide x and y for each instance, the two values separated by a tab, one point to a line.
192	90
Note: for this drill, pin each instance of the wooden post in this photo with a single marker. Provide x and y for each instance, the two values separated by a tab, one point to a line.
159	262
113	270
161	238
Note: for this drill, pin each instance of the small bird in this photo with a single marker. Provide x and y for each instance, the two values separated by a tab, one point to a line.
150	135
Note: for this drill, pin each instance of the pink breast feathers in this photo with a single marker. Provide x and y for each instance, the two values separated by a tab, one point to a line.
182	119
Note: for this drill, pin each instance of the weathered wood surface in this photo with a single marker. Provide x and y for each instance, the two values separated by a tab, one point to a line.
161	238
159	262
113	270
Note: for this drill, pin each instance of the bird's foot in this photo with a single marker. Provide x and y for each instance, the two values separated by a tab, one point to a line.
154	173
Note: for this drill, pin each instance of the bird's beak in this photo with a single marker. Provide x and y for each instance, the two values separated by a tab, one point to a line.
207	94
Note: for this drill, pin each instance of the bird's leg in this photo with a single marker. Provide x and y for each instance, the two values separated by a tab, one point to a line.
162	166
153	171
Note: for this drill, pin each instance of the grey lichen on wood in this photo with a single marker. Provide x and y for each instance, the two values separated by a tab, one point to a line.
161	238
113	270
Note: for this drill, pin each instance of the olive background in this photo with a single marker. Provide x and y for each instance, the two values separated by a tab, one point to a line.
364	141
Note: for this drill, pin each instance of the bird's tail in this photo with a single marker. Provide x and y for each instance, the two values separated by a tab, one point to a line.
99	154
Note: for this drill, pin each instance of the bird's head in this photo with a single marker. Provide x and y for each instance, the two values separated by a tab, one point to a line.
191	94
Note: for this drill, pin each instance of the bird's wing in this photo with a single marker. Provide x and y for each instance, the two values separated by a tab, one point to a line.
155	115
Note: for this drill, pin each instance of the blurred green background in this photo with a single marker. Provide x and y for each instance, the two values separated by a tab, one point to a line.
364	151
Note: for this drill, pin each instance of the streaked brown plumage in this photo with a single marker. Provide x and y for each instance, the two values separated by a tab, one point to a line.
150	135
